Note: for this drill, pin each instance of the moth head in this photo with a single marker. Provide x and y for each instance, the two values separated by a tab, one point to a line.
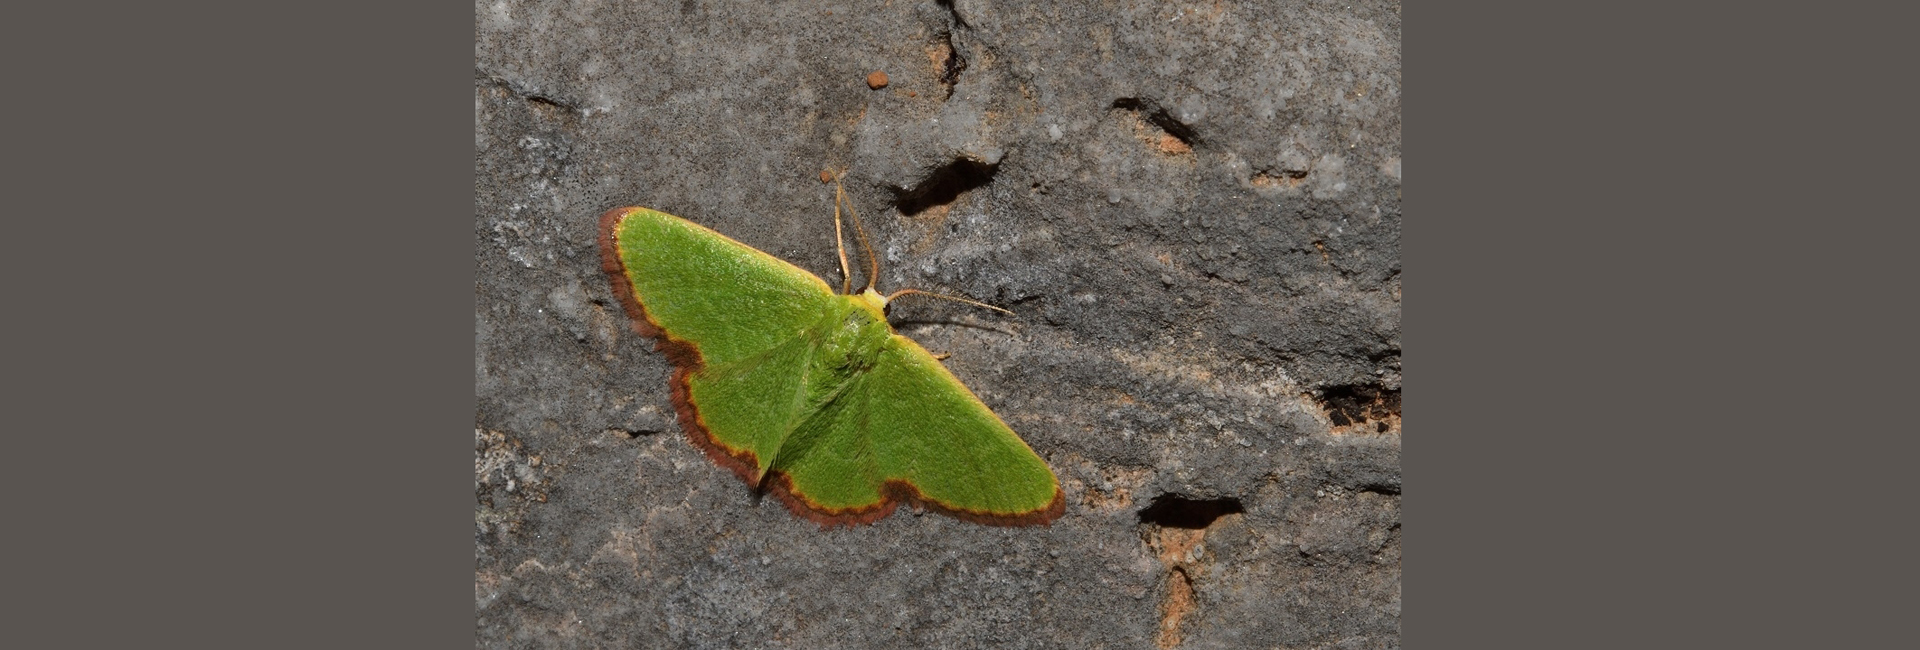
874	299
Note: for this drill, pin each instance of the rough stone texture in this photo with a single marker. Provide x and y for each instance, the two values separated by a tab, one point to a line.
1193	207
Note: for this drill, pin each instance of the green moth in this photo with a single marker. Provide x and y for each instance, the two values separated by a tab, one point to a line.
809	395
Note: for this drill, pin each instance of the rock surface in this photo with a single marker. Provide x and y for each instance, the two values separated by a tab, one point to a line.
1193	207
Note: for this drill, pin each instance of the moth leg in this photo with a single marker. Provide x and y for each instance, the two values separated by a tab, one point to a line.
839	240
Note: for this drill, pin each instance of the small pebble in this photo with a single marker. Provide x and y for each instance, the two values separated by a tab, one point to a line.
877	80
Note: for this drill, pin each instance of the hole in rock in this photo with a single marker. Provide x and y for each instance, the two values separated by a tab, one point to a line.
1175	511
1349	404
945	185
1153	112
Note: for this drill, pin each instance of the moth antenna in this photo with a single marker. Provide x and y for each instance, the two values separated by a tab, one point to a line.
976	303
873	263
840	241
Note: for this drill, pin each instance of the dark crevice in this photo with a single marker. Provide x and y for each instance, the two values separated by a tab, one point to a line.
1151	111
955	64
952	63
954	11
944	185
1269	177
482	78
1360	403
1381	487
950	70
549	101
1175	511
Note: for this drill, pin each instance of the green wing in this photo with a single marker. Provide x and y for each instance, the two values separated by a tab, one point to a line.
907	429
731	318
725	298
749	406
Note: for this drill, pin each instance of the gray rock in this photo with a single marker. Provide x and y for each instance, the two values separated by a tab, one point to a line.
1194	208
